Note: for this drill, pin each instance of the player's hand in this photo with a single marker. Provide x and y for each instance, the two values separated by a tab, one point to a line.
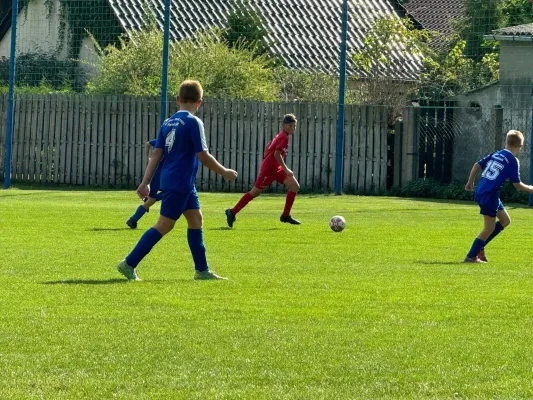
143	191
469	186
289	173
530	190
230	175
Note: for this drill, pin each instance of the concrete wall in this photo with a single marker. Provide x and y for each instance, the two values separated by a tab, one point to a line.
480	130
35	32
475	131
38	32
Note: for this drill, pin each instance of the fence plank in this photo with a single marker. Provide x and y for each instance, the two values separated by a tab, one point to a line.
34	139
376	151
95	120
3	135
27	138
87	131
75	138
317	148
129	136
348	137
39	114
57	138
361	159
332	144
369	148
384	149
46	139
102	131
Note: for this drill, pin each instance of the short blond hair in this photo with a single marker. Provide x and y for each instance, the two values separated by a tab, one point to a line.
190	92
514	139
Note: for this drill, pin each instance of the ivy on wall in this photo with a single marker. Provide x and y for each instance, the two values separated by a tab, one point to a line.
77	18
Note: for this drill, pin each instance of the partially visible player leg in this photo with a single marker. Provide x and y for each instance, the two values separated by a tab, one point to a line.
503	221
294	187
479	242
145	244
139	213
195	237
248	197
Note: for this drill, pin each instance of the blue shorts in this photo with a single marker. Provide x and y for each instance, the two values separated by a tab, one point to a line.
489	204
155	184
175	203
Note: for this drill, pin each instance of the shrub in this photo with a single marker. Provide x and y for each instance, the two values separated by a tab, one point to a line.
135	68
430	188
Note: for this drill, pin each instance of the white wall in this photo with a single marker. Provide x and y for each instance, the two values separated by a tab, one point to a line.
35	32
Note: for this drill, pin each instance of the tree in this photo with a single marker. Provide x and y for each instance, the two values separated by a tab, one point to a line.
387	36
135	67
245	29
517	12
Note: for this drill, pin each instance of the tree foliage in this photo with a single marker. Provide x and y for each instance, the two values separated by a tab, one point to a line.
245	29
135	67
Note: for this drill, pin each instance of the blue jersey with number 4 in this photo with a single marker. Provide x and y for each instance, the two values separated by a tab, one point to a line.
181	137
497	168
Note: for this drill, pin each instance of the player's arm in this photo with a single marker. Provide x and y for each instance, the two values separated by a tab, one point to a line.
523	187
211	162
147	148
279	159
143	189
473	173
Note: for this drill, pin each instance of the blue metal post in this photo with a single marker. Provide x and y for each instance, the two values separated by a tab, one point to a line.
531	152
164	81
10	95
342	87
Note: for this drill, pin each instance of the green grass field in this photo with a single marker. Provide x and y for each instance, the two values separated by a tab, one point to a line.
384	309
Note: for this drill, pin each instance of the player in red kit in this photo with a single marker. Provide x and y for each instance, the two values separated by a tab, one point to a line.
273	168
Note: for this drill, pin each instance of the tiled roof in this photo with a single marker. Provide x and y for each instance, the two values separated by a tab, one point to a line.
518	30
437	15
305	33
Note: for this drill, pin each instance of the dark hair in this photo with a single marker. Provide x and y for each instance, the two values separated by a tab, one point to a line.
289	118
190	92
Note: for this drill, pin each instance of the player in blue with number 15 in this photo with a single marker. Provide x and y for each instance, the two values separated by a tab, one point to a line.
497	167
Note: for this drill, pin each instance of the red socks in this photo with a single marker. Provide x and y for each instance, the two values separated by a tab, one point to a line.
289	201
242	203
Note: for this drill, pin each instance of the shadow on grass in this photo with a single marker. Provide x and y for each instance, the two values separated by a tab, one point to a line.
439	262
86	282
117	281
109	229
227	228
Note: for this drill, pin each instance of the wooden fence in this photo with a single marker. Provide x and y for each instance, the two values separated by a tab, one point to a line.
98	141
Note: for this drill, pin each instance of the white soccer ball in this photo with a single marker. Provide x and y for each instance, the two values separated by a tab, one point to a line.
337	223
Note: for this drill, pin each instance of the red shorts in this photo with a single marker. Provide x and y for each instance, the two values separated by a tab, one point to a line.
268	176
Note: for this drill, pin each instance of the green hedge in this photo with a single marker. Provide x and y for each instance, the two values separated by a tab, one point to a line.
430	188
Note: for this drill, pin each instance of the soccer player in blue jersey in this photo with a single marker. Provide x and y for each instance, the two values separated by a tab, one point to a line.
182	140
497	167
154	195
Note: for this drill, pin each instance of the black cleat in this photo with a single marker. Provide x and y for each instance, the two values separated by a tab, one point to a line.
230	218
289	220
131	224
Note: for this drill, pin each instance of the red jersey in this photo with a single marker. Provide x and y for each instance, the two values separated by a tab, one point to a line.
281	143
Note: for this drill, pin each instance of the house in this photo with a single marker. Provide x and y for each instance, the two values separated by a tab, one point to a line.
484	116
305	34
438	16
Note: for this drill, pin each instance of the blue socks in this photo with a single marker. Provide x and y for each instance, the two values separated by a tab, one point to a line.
497	229
195	237
149	239
476	247
143	247
138	214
